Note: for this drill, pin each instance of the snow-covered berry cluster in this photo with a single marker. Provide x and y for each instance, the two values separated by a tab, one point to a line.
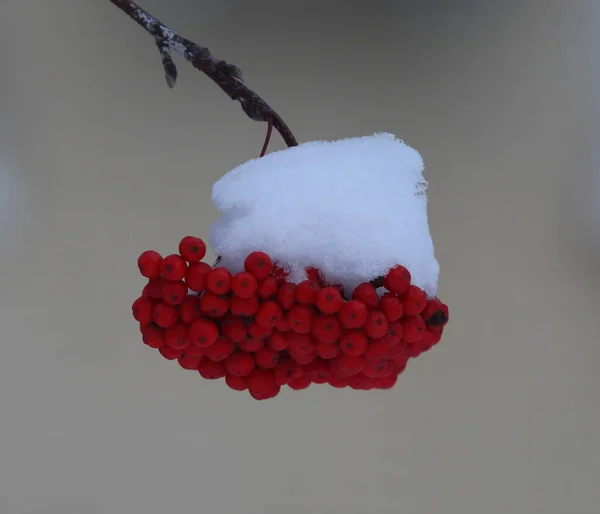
259	331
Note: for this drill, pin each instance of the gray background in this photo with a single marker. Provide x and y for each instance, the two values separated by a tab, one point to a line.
100	161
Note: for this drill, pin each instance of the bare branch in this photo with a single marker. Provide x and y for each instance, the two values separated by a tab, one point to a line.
227	76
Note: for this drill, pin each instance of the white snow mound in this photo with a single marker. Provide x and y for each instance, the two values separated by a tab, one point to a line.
352	208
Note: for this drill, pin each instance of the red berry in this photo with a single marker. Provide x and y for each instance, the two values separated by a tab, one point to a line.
315	275
192	249
414	327
269	313
164	315
435	313
174	293
337	382
397	280
354	342
391	306
236	383
173	267
386	382
244	285
379	369
258	331
153	289
213	306
284	372
347	365
149	264
176	336
304	359
239	364
267	395
329	300
367	294
360	382
397	350
258	264
267	288
286	296
277	341
251	344
244	306
280	274
301	319
377	325
413	301
353	314
211	370
170	353
431	336
194	350
266	358
299	344
190	361
400	363
306	292
326	328
203	333
220	349
233	328
218	281
300	383
142	311
376	352
261	381
318	371
326	351
195	276
395	333
189	310
153	336
283	325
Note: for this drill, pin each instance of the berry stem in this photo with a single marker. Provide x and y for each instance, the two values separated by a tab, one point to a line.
227	76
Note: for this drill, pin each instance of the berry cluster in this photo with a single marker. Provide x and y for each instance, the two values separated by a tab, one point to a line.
260	332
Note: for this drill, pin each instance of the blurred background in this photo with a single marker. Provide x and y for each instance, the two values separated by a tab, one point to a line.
100	161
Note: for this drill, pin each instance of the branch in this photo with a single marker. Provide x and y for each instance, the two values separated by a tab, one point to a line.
227	76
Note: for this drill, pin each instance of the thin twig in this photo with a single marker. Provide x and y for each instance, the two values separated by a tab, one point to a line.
227	76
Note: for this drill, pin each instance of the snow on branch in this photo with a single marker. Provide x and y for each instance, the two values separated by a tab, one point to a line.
227	76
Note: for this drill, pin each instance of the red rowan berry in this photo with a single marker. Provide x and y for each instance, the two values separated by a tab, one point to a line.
195	351
377	325
301	319
318	371
299	344
173	293
190	361
353	314
189	310
176	337
283	325
306	292
347	365
213	306
258	331
391	306
326	351
414	300
266	358
203	333
170	353
269	313
367	294
192	249
211	370
397	280
395	333
149	264
239	364
326	328
233	328
153	336
236	382
173	267
244	306
195	276
153	289
386	382
304	359
277	341
379	369
435	313
376	352
413	328
142	311
329	300
220	349
218	281
267	395
397	350
261	381
164	315
280	274
267	288
284	372
400	363
353	342
299	383
286	296
244	285
251	344
258	264
315	275
337	382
